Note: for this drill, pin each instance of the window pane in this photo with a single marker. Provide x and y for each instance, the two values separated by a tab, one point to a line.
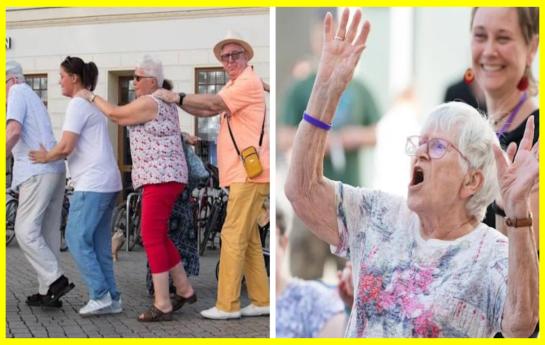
211	89
43	83
36	83
212	78
220	78
202	77
44	95
202	89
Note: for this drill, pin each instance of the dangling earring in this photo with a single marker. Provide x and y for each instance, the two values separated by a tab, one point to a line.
469	76
523	83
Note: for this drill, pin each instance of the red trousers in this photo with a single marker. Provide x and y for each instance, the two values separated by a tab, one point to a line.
157	203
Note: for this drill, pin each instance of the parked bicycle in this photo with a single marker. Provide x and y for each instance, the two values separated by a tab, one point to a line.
207	215
127	215
217	204
12	202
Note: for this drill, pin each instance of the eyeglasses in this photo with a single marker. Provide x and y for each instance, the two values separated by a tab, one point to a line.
436	148
10	79
139	77
234	56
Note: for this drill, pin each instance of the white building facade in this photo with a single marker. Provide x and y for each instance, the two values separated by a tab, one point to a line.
116	38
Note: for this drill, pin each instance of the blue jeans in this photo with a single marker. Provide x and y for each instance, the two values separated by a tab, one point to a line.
89	238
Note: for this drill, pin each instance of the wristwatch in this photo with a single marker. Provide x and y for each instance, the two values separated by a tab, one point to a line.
92	97
519	222
181	101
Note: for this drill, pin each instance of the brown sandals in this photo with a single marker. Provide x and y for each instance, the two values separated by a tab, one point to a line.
179	301
154	315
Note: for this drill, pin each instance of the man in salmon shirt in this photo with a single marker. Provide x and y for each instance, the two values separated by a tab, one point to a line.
242	102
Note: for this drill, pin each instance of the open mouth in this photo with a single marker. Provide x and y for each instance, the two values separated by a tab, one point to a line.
418	176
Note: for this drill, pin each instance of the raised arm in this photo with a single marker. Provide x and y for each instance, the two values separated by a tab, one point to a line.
516	179
310	193
200	105
141	110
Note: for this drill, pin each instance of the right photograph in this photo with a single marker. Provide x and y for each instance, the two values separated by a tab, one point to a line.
407	175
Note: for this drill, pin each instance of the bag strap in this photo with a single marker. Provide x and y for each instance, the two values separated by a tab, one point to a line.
260	136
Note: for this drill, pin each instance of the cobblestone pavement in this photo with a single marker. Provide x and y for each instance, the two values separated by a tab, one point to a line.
27	322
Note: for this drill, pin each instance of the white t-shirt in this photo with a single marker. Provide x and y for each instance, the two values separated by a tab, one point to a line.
25	107
406	286
91	164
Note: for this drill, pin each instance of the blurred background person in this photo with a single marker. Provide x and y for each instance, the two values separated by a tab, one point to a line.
304	308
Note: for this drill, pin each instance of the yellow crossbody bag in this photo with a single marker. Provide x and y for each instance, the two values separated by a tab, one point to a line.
250	155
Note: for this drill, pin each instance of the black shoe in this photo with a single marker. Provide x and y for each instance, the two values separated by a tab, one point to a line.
38	300
57	289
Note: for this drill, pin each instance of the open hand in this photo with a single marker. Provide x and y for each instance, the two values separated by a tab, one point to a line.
38	156
341	51
167	96
518	172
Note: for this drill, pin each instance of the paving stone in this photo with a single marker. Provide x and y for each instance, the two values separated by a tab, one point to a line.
23	321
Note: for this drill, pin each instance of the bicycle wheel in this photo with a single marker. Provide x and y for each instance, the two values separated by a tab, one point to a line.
210	228
11	213
119	220
135	233
64	220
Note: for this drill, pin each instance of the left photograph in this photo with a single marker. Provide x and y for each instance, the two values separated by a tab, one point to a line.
137	172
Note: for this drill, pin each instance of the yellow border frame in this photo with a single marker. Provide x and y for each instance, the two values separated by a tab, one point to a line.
253	3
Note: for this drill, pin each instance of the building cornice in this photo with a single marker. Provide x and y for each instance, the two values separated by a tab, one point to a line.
23	18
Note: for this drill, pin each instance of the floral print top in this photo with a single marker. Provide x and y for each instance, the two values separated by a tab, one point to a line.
304	307
406	286
156	148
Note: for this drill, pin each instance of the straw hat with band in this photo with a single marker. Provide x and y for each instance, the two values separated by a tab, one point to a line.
236	39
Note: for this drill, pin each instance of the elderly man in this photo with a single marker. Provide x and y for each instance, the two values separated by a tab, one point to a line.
41	188
242	106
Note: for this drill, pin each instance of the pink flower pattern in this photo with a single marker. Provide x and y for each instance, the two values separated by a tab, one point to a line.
409	287
156	149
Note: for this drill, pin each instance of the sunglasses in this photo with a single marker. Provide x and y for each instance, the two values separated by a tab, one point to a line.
234	56
436	148
140	77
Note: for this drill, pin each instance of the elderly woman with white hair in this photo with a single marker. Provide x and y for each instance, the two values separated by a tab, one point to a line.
425	267
160	168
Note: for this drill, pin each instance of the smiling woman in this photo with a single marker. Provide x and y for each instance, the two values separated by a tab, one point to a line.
426	266
504	44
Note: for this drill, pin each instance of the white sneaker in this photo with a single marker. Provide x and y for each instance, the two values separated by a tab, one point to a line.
114	308
216	314
97	306
254	310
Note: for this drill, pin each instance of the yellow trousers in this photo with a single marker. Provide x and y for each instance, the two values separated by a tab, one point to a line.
241	251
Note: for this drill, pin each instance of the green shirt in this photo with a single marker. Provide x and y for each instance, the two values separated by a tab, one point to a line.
356	107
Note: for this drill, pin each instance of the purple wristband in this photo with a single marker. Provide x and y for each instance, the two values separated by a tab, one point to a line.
316	122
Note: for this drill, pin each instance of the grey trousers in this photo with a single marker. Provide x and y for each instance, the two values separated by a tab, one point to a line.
37	225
